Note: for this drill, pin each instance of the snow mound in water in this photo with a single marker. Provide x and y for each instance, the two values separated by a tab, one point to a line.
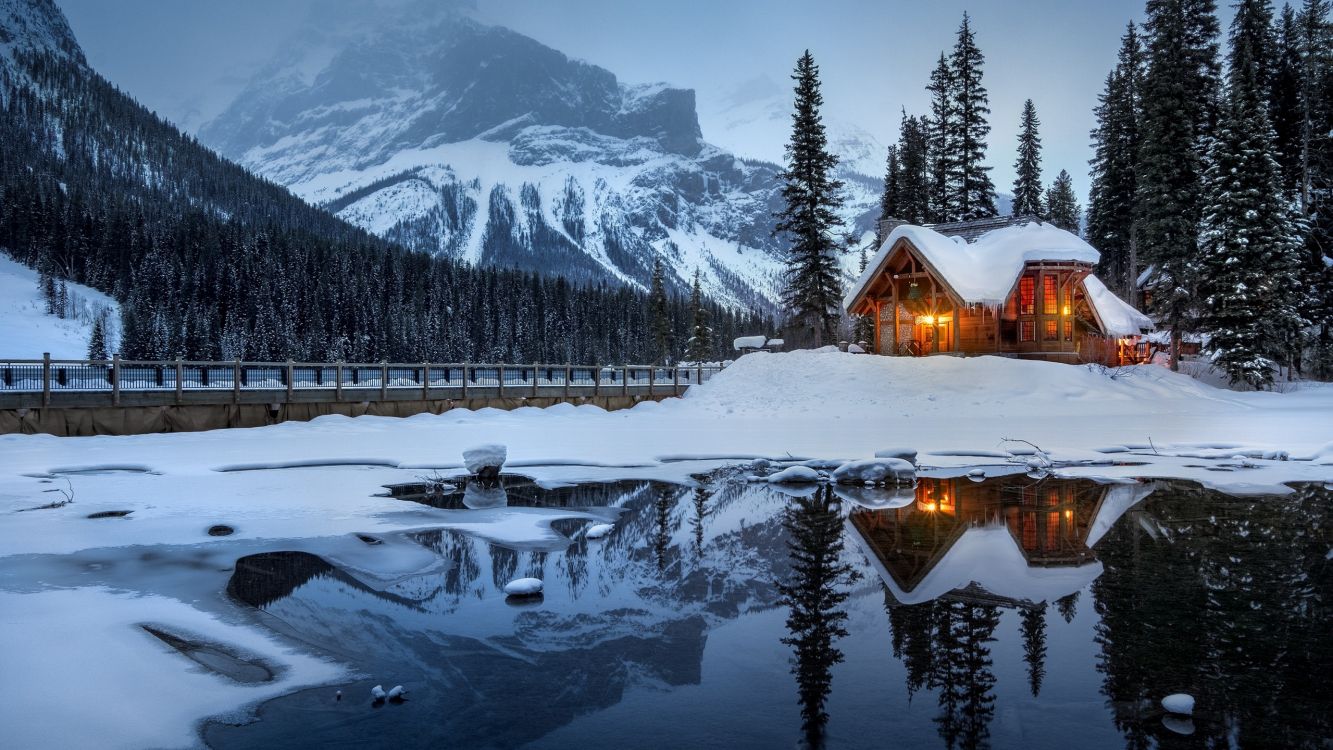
795	475
484	456
523	587
597	531
1179	703
874	471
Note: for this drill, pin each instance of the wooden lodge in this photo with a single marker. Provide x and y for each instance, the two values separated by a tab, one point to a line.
1008	287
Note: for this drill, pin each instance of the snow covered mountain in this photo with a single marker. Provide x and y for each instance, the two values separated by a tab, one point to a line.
753	119
473	141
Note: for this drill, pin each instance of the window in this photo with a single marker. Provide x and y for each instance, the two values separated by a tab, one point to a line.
1028	330
1026	296
1048	296
1052	333
1069	330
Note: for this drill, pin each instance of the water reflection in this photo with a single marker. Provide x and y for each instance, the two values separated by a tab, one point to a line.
813	594
691	622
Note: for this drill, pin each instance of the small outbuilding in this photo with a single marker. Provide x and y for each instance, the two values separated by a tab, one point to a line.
1015	287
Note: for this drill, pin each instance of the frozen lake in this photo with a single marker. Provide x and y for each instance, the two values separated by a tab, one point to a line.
1011	612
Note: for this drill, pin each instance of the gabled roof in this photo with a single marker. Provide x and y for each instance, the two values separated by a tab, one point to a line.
984	270
1117	317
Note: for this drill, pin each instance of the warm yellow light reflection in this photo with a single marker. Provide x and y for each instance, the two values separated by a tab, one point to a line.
1066	309
928	320
1069	514
929	507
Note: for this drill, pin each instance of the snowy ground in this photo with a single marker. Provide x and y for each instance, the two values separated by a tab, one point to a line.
26	331
311	485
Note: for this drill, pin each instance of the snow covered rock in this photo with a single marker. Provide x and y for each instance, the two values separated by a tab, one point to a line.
876	498
485	460
906	454
597	531
1179	703
855	349
874	471
397	692
523	587
795	475
377	693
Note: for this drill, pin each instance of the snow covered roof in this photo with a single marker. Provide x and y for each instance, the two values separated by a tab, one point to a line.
983	270
749	342
1117	317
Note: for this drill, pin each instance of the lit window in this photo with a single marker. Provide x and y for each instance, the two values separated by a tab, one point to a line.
1027	289
1028	331
1052	333
1069	330
1048	295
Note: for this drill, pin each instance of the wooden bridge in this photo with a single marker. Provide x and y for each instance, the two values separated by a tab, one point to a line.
78	397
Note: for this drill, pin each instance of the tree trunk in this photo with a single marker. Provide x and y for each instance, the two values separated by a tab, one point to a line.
1175	348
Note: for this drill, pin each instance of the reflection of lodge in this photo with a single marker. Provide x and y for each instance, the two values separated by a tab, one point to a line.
1006	540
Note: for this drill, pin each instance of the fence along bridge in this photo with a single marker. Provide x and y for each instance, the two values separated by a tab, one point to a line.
83	397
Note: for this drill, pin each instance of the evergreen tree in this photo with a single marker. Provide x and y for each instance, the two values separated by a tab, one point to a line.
913	200
1285	98
863	330
812	289
1113	213
657	314
888	200
701	347
1062	207
940	127
62	300
1179	89
971	183
1027	186
97	339
47	286
1250	246
1315	175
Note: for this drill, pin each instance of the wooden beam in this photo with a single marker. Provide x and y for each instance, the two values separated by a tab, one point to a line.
894	337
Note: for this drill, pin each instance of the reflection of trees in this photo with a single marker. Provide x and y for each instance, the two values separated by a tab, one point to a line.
697	520
814	528
1228	599
943	646
1067	606
1033	625
504	563
661	526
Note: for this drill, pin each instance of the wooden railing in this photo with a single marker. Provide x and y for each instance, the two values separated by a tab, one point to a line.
33	383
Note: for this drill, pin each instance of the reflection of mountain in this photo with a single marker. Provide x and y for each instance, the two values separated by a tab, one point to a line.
1009	540
631	610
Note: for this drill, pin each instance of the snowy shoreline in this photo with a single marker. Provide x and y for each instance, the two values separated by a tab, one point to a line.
316	485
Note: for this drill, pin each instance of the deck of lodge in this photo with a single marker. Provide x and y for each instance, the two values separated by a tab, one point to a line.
121	397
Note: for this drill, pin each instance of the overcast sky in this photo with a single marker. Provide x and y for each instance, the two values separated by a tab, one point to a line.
186	58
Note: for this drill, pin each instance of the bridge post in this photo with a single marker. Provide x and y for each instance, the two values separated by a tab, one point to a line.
180	373
289	381
115	380
236	382
500	376
569	373
425	381
652	379
384	381
338	384
624	382
534	380
596	380
46	378
465	382
675	380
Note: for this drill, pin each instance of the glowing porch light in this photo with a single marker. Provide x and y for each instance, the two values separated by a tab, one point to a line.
928	320
929	507
1066	310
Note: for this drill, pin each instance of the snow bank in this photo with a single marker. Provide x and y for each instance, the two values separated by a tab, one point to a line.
80	671
26	330
795	475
